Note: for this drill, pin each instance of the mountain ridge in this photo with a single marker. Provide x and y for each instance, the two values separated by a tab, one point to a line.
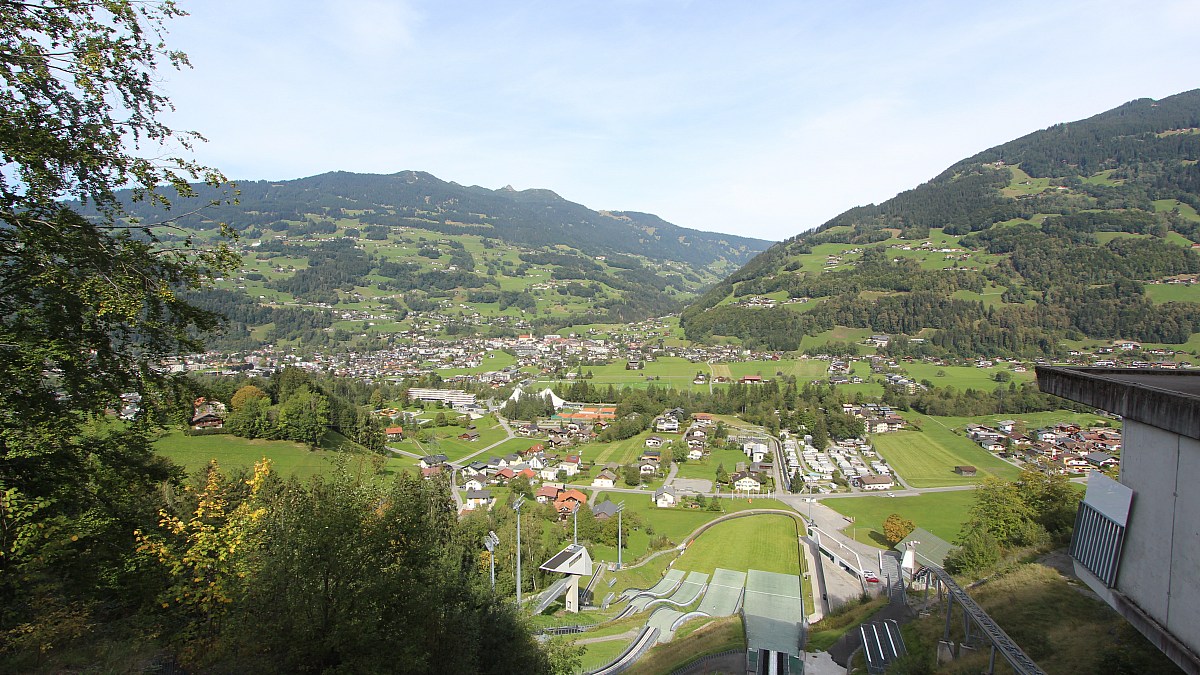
534	216
329	257
1106	194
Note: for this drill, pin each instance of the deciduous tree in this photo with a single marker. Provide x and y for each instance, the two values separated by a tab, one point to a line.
896	528
89	304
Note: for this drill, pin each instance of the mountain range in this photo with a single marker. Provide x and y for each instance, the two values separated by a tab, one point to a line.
328	257
534	217
1085	231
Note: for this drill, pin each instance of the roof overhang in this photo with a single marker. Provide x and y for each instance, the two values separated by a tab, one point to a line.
1167	399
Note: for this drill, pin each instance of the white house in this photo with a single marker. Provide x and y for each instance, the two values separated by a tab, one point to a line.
664	497
695	453
755	451
606	479
666	424
747	483
570	465
478	498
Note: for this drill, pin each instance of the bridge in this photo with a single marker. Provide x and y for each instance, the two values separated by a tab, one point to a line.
1000	642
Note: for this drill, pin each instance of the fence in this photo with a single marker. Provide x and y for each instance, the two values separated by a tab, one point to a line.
707	658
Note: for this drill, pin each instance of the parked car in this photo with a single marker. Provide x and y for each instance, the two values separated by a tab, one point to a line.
871	577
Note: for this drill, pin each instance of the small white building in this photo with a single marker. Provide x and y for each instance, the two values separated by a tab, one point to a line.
479	499
606	479
665	497
747	483
666	424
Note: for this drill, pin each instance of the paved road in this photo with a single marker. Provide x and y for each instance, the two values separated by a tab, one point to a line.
671	474
405	453
508	435
458	500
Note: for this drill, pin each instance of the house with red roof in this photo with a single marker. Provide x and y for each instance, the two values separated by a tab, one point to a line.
568	501
546	494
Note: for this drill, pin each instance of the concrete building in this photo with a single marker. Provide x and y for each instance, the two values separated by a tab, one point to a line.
1137	541
455	398
575	562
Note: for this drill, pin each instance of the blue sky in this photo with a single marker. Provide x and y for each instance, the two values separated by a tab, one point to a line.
755	118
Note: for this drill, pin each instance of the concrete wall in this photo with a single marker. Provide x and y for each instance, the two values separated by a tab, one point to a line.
1160	565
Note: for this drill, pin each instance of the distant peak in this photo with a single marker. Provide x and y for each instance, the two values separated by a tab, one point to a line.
508	188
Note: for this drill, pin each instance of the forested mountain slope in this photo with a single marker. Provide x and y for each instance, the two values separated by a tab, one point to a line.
324	256
1081	231
420	200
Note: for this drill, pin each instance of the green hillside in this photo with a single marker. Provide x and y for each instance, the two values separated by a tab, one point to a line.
1080	231
332	257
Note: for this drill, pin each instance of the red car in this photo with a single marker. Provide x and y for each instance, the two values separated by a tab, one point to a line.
870	577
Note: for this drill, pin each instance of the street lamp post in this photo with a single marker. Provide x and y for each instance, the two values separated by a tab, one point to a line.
490	542
808	484
576	514
517	508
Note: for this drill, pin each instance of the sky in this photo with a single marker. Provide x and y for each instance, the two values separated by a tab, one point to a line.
761	119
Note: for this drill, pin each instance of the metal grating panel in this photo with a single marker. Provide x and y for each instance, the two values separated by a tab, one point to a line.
1096	543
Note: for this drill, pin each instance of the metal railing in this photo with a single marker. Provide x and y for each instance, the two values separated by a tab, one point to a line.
707	658
1000	641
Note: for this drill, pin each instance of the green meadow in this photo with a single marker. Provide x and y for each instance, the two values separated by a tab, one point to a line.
942	513
764	542
674	523
287	458
963	377
1160	293
927	458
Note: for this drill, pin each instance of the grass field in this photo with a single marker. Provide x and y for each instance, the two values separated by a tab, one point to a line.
927	458
287	458
667	371
1185	210
675	523
599	654
962	377
1030	420
707	468
621	452
765	542
711	638
837	333
942	513
1065	631
1172	293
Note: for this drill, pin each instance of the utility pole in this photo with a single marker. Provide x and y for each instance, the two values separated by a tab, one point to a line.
517	508
576	514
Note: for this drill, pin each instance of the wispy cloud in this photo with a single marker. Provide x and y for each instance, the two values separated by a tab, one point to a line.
762	119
